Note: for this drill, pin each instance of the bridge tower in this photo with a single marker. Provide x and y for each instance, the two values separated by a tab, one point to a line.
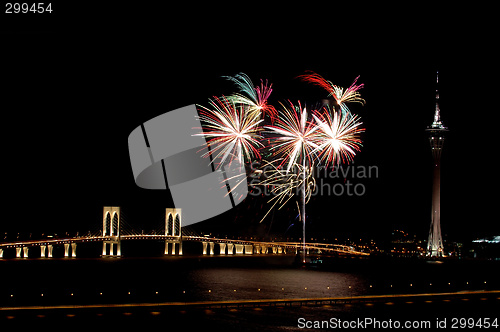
173	228
111	229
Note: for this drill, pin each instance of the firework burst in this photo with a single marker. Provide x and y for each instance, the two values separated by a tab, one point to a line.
338	136
294	136
341	96
230	131
253	97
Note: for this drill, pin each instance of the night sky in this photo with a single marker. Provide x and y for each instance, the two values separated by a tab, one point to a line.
73	91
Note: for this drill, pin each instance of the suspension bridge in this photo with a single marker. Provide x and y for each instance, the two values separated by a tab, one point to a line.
115	230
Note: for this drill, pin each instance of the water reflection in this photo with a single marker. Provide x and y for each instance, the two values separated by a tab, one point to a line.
240	283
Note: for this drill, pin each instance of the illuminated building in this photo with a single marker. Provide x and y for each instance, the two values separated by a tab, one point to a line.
436	137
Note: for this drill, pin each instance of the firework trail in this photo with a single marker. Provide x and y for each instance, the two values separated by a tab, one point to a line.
285	184
254	97
341	96
230	131
338	136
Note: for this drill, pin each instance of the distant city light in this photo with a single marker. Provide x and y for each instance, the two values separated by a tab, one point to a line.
495	239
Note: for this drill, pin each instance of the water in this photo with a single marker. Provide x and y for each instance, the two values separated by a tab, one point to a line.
168	279
185	279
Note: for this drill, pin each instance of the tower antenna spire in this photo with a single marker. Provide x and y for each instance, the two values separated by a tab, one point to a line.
437	123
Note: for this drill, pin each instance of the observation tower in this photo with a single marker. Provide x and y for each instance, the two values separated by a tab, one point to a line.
436	137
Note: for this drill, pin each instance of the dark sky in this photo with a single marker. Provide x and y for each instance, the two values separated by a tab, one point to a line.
76	87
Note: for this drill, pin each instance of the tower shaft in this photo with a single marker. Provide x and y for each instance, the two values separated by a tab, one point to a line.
435	241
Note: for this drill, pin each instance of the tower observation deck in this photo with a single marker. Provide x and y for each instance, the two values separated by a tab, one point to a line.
437	133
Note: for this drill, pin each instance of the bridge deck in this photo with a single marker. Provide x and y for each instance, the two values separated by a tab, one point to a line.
287	245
